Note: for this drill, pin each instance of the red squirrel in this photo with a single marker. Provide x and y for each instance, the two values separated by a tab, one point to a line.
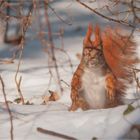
105	70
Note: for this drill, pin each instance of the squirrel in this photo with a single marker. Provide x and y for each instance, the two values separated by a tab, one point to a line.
105	70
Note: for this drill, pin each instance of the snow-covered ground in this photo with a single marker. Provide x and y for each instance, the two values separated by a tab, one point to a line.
107	124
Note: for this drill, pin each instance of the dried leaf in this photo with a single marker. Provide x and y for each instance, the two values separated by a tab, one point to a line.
28	103
45	99
54	96
129	109
17	100
6	61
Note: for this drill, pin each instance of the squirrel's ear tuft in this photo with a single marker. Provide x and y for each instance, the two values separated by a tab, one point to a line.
97	31
87	39
96	42
89	31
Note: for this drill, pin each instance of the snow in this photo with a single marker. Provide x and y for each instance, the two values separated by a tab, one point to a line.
109	124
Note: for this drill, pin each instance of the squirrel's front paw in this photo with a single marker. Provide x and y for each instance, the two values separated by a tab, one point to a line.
79	104
73	107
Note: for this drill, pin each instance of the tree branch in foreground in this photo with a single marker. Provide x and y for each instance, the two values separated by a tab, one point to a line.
55	134
8	108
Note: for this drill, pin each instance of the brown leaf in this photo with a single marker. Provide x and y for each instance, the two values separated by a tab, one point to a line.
45	99
6	61
129	109
17	100
54	96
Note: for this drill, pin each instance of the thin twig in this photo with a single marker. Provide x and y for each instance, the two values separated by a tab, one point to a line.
25	25
59	17
50	39
55	134
138	84
136	79
105	17
8	109
65	83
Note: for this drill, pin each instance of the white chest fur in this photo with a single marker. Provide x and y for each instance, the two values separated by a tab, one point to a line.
93	87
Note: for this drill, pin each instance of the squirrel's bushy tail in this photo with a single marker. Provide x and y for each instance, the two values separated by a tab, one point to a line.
119	52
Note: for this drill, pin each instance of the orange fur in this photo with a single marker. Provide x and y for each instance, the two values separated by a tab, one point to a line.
97	41
87	40
118	54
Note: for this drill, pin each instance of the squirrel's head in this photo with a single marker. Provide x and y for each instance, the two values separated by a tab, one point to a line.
92	49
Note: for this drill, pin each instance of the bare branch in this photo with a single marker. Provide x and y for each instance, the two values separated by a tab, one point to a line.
50	39
106	17
66	22
8	109
25	24
55	134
